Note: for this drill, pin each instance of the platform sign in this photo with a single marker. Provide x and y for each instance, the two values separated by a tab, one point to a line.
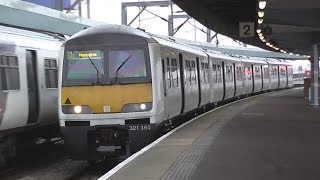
246	29
53	4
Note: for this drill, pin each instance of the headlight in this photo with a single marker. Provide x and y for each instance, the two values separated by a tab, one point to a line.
69	109
139	107
77	109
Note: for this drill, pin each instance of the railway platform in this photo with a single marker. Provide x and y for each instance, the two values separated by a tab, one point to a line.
270	136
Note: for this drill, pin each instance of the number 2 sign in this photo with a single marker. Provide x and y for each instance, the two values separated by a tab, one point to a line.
246	29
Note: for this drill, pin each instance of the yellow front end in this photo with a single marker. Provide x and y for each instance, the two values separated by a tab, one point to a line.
106	99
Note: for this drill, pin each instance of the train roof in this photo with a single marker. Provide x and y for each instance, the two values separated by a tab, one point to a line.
17	37
218	55
111	29
276	61
253	60
183	47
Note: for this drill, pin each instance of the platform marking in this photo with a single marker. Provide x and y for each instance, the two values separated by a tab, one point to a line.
132	157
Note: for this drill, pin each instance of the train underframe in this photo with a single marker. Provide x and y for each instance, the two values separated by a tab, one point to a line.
19	140
107	141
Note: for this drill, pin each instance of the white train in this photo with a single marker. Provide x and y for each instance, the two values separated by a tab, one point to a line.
28	86
120	85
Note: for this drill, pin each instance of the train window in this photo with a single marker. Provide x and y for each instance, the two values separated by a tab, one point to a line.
164	77
238	74
168	77
248	73
174	73
168	62
51	71
175	80
227	74
214	69
257	73
174	62
266	73
9	71
134	67
193	64
4	60
231	73
206	66
219	73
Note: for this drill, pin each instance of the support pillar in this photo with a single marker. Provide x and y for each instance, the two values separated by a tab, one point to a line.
314	78
124	15
208	35
88	9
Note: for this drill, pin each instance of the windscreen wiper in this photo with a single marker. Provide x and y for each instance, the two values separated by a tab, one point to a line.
98	79
115	80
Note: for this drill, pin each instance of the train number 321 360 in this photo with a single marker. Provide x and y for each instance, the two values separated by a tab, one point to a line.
140	127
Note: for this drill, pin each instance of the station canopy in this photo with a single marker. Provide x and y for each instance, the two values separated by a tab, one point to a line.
290	26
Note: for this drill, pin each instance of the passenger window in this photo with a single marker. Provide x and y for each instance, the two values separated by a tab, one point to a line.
174	72
9	71
51	71
249	73
164	77
168	73
219	73
214	69
193	72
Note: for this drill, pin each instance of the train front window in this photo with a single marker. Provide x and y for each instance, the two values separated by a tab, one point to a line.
83	65
127	64
107	66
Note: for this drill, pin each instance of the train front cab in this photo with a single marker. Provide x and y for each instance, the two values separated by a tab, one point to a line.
107	98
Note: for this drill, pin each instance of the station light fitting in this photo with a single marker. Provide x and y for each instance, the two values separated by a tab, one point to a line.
268	44
258	31
260	21
291	53
261	14
262	4
263	40
308	56
259	34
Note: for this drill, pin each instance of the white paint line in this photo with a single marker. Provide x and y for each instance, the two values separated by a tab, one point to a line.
132	157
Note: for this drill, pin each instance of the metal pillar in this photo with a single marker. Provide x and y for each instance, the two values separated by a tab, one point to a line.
88	9
80	9
170	23
59	5
314	78
124	14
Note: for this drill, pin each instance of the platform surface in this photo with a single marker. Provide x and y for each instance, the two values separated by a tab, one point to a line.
270	136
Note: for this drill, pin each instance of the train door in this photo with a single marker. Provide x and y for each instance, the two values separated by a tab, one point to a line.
199	80
235	79
262	77
33	91
223	80
252	75
278	73
182	82
287	76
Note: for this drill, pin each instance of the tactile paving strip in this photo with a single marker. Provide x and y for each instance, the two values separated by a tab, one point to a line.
187	163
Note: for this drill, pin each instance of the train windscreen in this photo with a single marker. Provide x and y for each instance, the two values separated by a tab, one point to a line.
106	66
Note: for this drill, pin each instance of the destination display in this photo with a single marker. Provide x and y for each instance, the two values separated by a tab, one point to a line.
78	55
